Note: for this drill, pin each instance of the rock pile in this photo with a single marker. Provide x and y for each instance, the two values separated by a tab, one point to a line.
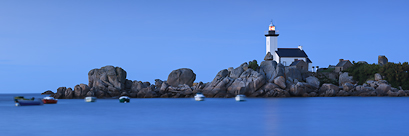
268	80
111	82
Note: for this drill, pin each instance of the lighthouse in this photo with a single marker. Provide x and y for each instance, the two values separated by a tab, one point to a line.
271	39
289	57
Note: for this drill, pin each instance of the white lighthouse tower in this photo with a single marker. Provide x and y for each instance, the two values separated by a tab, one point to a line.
271	39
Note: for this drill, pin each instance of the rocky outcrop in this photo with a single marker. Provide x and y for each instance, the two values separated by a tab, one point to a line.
328	90
268	80
348	87
298	89
268	69
237	82
293	73
268	57
396	94
47	92
69	94
378	77
181	76
219	84
382	60
81	90
280	81
345	78
313	81
383	89
107	77
60	93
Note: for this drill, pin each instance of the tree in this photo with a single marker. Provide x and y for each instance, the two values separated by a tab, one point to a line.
396	74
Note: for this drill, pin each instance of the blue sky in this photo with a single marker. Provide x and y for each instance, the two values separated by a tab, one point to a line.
48	44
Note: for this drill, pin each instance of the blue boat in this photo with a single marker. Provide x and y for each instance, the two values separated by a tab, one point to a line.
28	102
21	101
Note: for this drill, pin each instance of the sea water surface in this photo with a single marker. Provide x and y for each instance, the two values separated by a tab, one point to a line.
335	116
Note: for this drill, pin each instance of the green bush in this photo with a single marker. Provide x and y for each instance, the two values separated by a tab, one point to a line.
395	73
328	70
324	80
253	65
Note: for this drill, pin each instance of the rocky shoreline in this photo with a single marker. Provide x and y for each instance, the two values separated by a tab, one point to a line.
268	80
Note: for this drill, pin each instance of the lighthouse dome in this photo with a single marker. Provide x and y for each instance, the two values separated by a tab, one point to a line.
271	27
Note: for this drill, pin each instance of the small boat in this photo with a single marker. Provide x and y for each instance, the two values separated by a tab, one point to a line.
240	97
90	99
49	100
124	99
21	101
17	98
199	97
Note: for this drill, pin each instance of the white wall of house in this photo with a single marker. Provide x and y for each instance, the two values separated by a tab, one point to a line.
286	61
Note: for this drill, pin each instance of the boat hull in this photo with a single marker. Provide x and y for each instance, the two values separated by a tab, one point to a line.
50	101
124	100
28	103
199	98
240	98
90	99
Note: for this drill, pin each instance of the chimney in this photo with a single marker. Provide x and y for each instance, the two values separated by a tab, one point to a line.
300	47
295	59
340	60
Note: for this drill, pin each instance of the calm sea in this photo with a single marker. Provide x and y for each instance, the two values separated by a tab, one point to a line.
334	116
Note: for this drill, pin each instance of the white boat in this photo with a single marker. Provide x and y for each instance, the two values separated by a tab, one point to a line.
124	99
90	99
199	97
240	97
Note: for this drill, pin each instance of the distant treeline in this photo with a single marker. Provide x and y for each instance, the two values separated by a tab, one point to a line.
395	73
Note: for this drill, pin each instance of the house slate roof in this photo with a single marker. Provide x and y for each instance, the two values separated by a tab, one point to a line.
291	52
342	63
308	60
295	62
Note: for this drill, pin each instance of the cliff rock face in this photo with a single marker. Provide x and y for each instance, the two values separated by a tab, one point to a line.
382	60
241	80
268	69
81	90
219	84
181	76
107	77
271	80
293	73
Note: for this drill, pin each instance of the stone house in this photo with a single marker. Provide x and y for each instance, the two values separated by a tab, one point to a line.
342	65
300	65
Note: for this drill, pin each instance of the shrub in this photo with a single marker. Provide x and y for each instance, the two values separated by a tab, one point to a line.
253	65
395	73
